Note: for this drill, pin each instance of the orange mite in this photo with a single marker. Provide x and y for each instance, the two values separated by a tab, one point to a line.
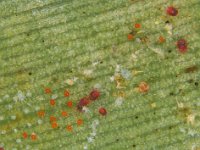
33	136
130	36
41	113
69	128
47	90
64	114
66	93
25	135
143	87
79	122
69	104
161	39
52	102
137	25
52	119
54	125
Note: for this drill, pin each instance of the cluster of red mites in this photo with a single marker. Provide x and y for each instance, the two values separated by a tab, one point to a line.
93	96
181	43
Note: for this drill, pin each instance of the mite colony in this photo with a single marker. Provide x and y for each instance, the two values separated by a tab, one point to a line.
94	95
181	44
83	102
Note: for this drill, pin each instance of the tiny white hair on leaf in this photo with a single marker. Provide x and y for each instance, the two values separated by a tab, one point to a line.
169	28
157	51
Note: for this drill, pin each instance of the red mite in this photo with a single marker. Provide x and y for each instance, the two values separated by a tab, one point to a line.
182	45
94	95
172	11
25	135
102	111
83	102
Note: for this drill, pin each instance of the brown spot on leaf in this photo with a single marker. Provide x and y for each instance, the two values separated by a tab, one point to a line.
144	39
191	69
184	112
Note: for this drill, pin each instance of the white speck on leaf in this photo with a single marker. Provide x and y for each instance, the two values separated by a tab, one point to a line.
85	109
29	124
90	139
18	140
15	130
15	99
191	132
95	63
117	69
28	147
6	96
37	108
1	118
97	86
169	28
85	147
134	56
1	144
26	110
28	94
69	81
182	130
138	40
54	96
93	134
157	22
157	51
180	104
3	132
9	106
21	96
119	101
13	117
88	72
112	78
39	121
125	74
96	122
191	119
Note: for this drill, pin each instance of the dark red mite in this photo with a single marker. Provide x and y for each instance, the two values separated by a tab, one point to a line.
172	11
94	95
182	45
102	111
83	102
